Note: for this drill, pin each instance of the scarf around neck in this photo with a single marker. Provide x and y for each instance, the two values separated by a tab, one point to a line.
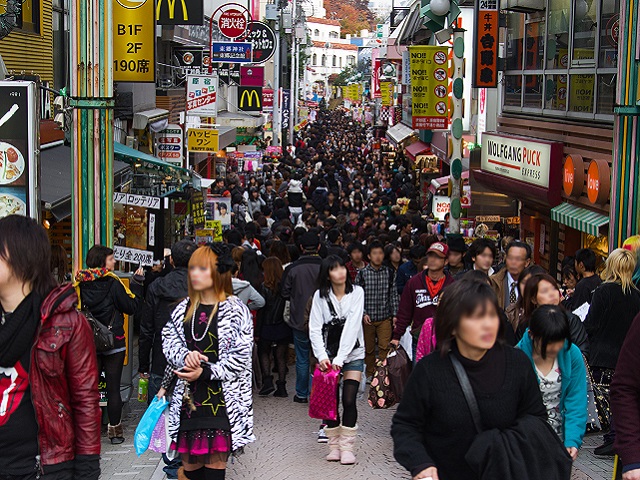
91	274
19	329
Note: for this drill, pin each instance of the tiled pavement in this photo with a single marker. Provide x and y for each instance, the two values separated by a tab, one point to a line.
286	449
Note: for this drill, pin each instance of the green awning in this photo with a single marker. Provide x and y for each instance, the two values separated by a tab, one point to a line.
128	155
579	218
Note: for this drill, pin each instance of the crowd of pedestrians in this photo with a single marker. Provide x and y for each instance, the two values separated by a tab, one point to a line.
319	239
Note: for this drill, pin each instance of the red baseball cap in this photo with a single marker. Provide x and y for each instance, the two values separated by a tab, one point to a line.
439	249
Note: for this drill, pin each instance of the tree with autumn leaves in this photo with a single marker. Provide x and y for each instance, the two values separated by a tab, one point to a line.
354	15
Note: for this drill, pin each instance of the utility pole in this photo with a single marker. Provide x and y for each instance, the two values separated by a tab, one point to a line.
92	131
277	114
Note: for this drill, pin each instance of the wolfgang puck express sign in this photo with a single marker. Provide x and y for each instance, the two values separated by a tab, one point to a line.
522	159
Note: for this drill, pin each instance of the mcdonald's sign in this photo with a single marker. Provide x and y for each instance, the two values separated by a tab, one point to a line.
180	12
250	99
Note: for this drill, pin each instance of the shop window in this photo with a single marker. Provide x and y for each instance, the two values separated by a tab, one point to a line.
29	21
556	90
585	23
558	34
513	90
609	33
533	91
581	93
535	35
606	93
515	36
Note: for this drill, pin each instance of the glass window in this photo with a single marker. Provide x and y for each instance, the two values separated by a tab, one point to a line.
315	59
556	92
533	91
513	90
316	33
324	60
585	23
340	62
609	33
30	18
334	61
558	34
581	92
606	93
515	36
535	44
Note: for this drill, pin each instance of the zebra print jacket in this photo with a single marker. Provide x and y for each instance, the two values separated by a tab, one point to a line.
233	368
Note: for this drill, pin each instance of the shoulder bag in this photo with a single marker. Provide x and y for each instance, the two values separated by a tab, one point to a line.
103	337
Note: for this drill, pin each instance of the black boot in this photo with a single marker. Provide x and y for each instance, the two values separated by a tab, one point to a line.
267	387
281	392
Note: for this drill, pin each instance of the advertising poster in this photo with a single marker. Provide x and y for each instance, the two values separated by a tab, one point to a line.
170	143
429	87
18	117
375	73
386	93
220	209
202	91
251	76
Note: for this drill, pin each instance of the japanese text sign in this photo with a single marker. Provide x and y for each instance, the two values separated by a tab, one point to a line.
263	41
169	148
485	65
134	41
267	98
137	200
231	52
202	140
429	87
251	76
202	93
386	92
133	255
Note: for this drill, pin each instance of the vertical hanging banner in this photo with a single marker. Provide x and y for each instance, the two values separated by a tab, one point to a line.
429	87
376	64
485	63
386	93
285	107
18	147
134	41
202	91
169	147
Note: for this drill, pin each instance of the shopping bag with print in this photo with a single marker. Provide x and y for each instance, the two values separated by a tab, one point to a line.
147	424
159	436
323	403
381	395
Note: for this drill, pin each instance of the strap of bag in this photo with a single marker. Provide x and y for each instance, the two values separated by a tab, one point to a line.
332	309
468	392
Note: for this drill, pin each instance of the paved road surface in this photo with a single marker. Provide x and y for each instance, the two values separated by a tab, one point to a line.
286	449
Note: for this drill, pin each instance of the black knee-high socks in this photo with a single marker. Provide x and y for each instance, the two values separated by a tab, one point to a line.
206	474
349	409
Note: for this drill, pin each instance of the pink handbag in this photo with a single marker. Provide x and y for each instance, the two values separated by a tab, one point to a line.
323	403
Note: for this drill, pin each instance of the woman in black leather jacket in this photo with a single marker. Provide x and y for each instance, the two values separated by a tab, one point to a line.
103	294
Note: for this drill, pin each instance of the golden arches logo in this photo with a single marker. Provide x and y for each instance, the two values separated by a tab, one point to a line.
171	6
250	94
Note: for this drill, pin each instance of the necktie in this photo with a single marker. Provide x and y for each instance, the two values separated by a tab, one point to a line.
512	293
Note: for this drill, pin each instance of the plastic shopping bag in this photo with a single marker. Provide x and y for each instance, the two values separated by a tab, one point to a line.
159	441
147	424
323	403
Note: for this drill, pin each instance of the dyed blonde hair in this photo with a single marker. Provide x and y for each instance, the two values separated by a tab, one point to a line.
205	257
619	268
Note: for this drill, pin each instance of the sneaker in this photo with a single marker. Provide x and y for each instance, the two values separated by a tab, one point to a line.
297	399
322	437
605	450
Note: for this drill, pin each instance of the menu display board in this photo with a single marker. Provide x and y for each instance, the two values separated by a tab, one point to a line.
18	147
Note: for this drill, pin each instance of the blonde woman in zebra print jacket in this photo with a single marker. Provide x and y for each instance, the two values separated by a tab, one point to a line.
208	344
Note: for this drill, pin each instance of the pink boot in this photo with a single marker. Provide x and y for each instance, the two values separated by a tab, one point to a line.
334	443
347	443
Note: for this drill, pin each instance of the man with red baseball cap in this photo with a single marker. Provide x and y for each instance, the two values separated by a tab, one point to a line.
421	295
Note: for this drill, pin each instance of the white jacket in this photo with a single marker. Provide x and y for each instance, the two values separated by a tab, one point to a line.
352	308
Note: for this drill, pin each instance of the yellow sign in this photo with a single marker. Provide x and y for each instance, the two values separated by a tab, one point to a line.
202	140
386	91
429	87
134	41
215	226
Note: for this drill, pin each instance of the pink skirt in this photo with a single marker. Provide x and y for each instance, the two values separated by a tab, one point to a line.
208	445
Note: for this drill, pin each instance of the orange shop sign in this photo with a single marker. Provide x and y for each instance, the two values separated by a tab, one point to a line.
573	175
598	181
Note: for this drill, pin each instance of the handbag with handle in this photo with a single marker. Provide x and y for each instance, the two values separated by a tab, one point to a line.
323	402
381	393
103	337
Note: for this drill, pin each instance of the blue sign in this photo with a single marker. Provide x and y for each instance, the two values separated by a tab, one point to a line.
231	52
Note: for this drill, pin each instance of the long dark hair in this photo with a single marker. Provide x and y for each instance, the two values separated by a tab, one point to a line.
24	246
250	268
462	299
324	282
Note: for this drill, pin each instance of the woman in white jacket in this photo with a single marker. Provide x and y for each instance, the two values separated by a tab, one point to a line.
338	301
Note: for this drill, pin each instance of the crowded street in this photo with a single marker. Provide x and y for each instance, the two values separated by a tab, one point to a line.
319	239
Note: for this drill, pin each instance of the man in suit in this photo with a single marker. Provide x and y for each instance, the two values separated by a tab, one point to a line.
505	282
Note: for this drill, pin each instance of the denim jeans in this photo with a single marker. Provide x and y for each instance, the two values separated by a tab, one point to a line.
303	375
155	382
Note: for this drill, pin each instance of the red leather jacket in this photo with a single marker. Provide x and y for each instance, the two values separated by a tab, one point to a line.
64	381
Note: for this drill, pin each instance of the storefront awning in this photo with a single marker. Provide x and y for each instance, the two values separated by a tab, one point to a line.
579	218
416	149
157	119
55	192
399	133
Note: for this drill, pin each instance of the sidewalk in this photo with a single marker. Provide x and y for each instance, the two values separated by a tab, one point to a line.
286	449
